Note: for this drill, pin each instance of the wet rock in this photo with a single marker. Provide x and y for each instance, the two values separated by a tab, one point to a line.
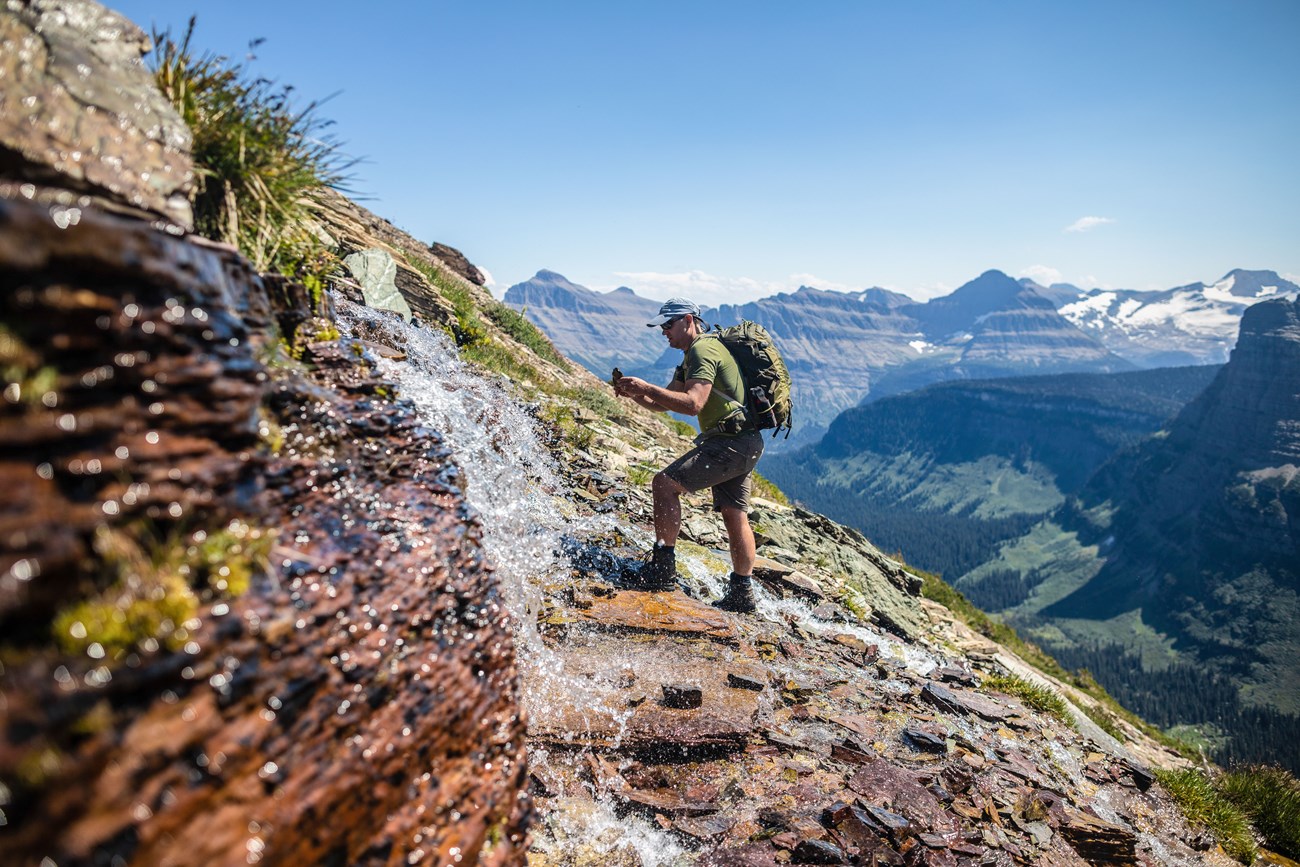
881	782
785	579
81	118
706	827
666	613
725	716
682	697
817	852
736	681
148	407
925	741
1097	841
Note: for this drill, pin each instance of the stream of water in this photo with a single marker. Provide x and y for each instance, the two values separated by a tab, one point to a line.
511	481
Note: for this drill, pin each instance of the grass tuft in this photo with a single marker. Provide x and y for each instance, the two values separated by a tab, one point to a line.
258	157
768	491
1040	698
1270	796
515	324
1203	805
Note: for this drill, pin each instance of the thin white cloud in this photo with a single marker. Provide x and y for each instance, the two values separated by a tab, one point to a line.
1043	275
1084	224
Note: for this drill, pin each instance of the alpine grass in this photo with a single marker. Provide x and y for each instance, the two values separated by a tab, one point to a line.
1270	796
1040	698
1202	804
258	158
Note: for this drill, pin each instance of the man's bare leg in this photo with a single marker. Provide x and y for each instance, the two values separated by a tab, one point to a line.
668	509
740	539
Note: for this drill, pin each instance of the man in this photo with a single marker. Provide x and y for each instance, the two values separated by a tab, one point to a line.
706	385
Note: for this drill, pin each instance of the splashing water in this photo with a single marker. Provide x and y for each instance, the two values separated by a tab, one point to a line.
510	480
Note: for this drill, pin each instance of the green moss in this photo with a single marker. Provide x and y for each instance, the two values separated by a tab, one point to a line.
150	587
38	765
229	558
1192	791
127	616
1040	698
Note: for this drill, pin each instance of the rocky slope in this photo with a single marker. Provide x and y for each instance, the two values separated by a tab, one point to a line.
390	627
1192	324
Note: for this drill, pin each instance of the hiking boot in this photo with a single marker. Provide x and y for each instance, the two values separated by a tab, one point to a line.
740	595
658	572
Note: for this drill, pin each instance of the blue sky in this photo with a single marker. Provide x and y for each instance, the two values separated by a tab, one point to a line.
730	150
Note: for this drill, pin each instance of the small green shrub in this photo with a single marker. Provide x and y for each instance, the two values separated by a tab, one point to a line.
1270	796
515	324
680	427
258	157
1038	697
1192	791
768	491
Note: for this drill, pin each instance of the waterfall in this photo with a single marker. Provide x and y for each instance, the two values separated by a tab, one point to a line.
512	482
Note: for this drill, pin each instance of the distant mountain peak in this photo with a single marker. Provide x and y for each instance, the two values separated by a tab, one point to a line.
1247	284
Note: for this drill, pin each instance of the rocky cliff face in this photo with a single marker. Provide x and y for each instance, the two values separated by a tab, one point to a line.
1207	515
245	613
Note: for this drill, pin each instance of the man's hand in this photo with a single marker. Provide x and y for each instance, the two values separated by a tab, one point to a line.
631	386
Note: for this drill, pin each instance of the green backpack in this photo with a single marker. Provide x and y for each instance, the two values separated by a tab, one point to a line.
767	382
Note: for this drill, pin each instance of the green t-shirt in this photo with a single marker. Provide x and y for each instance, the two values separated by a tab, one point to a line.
709	360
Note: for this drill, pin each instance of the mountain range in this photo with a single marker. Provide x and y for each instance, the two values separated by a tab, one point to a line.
846	348
1145	525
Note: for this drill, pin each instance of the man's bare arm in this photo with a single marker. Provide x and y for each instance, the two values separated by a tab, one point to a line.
685	398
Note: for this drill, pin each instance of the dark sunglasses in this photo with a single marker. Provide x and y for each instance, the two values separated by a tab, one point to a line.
671	322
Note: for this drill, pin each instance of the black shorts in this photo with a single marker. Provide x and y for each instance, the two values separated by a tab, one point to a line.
722	463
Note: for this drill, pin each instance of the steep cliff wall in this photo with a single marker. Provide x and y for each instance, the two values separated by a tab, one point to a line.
245	613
